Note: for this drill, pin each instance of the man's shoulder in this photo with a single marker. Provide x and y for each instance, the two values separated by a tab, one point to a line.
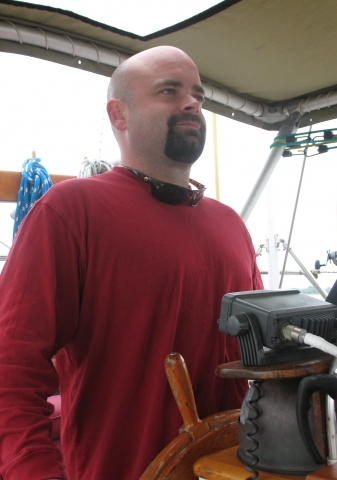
221	216
80	190
216	207
84	184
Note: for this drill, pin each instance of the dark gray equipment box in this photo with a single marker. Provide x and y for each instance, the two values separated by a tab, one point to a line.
256	318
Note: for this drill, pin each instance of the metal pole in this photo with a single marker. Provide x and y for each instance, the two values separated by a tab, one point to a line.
288	127
216	157
294	213
306	273
273	260
5	244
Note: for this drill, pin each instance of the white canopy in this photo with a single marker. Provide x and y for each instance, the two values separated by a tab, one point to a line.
258	59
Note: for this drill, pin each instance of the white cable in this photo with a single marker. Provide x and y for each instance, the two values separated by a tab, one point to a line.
320	343
300	335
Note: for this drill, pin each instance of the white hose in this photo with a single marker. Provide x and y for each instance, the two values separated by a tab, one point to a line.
320	343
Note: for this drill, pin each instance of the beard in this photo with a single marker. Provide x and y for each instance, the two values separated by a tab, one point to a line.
185	146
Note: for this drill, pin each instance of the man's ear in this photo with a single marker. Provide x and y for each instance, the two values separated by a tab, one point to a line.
117	111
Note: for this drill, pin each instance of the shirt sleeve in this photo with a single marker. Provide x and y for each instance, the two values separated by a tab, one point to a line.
39	308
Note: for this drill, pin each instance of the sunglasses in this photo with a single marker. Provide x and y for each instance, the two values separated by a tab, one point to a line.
170	193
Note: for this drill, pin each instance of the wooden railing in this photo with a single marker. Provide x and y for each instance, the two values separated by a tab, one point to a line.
10	182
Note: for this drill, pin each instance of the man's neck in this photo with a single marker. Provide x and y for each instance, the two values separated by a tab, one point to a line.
170	172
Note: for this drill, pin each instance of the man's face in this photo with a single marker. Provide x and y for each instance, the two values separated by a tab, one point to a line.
185	144
165	111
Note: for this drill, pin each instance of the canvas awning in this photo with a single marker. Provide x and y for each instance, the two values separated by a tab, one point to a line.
259	60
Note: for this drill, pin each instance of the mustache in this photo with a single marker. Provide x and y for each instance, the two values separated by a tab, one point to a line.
180	117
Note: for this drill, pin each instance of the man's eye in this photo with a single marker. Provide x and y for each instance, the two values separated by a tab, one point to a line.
169	90
200	98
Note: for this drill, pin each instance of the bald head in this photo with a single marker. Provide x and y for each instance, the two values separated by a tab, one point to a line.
154	107
121	82
119	86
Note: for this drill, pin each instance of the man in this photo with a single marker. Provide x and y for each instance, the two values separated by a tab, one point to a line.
111	274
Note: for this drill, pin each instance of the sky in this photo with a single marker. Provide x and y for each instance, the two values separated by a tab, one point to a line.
60	113
152	17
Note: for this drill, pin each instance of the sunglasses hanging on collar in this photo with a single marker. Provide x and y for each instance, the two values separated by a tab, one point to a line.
170	193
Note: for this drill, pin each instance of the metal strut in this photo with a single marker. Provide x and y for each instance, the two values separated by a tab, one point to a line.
288	127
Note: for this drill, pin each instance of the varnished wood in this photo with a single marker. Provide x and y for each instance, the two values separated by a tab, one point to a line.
10	182
297	369
181	387
197	437
319	413
224	465
203	441
326	473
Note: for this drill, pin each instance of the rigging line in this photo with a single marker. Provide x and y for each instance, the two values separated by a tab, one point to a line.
103	122
294	213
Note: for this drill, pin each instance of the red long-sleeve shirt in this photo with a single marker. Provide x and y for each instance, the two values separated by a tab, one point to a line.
111	280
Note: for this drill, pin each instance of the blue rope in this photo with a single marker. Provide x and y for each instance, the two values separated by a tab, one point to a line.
34	183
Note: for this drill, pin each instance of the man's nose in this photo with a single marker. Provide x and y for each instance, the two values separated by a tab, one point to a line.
191	104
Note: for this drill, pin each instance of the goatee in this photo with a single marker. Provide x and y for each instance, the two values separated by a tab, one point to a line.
185	145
